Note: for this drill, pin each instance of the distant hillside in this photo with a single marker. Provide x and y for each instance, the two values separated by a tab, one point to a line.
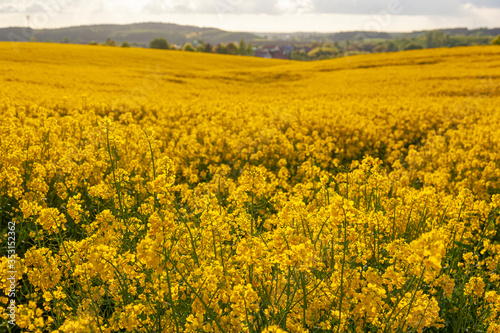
353	35
139	33
457	32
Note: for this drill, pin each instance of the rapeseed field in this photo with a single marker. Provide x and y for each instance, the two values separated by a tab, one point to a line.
165	191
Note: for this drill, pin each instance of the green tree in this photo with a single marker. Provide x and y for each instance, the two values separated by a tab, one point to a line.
391	47
435	38
125	44
380	48
413	46
298	55
159	43
337	45
232	48
207	47
368	47
323	52
242	48
220	48
250	50
496	41
110	42
188	47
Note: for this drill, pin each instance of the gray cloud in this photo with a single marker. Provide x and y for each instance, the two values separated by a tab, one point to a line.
7	6
271	7
361	7
212	6
484	3
36	6
162	6
403	7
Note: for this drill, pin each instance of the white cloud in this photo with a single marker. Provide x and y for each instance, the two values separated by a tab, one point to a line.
260	15
294	6
361	7
405	7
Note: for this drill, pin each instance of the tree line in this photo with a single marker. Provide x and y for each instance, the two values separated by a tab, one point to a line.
326	49
240	48
318	50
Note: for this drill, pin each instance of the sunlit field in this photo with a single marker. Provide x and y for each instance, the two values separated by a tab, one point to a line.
168	191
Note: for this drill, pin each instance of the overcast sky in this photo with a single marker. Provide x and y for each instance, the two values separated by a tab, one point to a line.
259	15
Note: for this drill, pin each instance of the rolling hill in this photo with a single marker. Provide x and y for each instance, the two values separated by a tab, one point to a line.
140	33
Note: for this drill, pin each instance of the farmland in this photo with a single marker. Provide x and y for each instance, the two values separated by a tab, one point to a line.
165	191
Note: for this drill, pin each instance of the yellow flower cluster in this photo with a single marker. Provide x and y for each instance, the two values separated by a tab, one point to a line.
160	191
